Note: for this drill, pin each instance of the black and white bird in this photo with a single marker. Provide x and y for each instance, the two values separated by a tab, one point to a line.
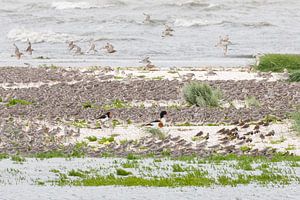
159	123
105	118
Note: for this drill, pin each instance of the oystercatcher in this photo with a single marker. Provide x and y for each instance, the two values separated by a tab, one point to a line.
105	118
159	123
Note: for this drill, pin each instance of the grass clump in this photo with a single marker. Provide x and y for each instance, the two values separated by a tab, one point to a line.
116	104
76	173
87	105
279	62
281	140
80	123
79	150
201	94
155	132
122	172
92	138
50	154
106	140
294	77
3	156
296	122
177	168
251	101
132	157
14	102
18	159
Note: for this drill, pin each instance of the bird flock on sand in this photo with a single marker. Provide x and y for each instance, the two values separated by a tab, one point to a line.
168	31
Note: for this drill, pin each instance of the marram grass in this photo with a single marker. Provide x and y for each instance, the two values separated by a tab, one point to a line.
201	94
279	62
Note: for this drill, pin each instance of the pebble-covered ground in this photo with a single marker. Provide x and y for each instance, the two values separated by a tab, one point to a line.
52	108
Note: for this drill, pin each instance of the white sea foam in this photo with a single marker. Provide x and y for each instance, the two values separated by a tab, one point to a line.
62	5
183	22
38	37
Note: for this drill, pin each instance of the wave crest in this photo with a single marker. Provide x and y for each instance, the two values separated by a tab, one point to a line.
195	22
39	37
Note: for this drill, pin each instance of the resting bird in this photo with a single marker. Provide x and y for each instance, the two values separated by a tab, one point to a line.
105	118
159	123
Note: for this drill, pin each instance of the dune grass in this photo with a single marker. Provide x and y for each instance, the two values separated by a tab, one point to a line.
201	94
279	62
294	76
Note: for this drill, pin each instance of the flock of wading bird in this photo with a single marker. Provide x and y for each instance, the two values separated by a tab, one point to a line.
223	43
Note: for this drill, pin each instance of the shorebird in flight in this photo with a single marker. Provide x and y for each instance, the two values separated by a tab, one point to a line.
146	60
71	45
92	47
78	50
223	43
110	48
29	48
18	54
168	28
147	19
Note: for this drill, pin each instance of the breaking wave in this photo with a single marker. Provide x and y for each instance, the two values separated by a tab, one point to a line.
39	37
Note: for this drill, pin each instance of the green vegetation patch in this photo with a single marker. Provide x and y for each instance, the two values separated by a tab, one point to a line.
122	172
106	140
156	132
116	104
251	101
294	76
92	138
18	159
279	62
14	102
201	94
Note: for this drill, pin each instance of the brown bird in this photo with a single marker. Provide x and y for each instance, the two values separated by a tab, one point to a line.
262	136
257	131
245	126
221	130
271	133
17	52
207	136
266	124
256	127
248	140
249	133
199	134
29	49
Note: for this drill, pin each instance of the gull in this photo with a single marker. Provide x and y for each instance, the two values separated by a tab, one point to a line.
29	49
17	52
92	47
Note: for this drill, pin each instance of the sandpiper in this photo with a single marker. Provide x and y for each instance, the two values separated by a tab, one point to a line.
29	48
223	43
17	52
110	48
168	28
160	122
146	60
71	45
147	18
78	50
92	47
